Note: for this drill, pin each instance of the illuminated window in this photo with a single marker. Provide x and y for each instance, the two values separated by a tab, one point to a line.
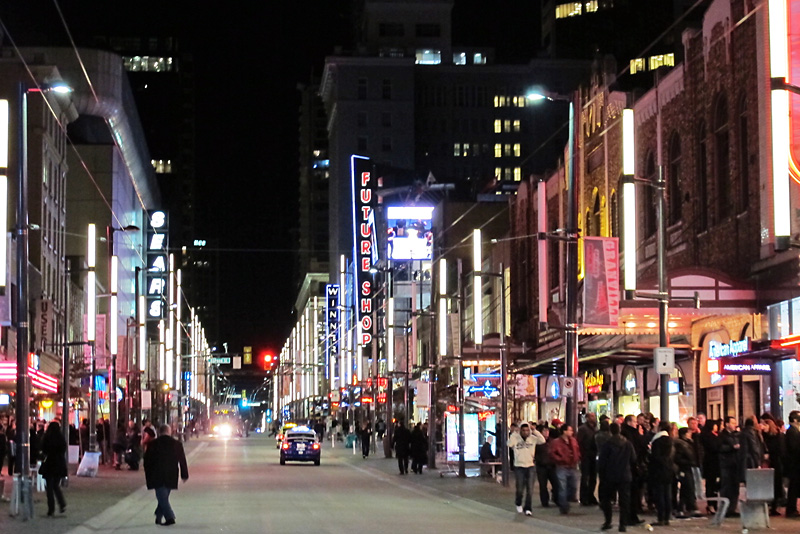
498	172
507	126
637	65
497	125
520	101
591	6
498	150
507	174
427	56
497	101
162	166
502	101
457	149
517	150
514	100
479	59
661	60
517	174
460	58
465	149
507	150
572	9
516	125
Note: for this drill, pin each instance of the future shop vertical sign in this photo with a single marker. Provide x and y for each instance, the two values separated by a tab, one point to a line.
364	185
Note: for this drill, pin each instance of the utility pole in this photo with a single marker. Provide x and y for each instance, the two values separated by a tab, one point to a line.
462	468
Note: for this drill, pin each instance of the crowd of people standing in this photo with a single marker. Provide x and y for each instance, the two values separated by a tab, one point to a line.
647	465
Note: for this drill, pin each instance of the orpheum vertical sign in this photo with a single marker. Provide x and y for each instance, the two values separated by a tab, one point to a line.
364	185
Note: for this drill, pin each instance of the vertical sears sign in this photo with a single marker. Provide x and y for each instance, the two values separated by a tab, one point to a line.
157	268
365	249
331	324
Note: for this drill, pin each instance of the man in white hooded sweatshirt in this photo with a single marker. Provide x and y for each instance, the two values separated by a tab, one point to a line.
524	447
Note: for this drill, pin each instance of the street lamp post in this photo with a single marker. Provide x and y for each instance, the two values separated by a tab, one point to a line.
91	330
571	238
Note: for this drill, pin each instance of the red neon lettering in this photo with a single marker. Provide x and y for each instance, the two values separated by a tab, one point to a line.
366	288
366	339
364	179
366	305
366	196
365	264
366	322
366	246
365	213
366	230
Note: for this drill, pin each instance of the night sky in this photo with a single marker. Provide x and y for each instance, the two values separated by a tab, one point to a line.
249	58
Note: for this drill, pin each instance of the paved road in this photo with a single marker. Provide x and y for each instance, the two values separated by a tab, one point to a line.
238	486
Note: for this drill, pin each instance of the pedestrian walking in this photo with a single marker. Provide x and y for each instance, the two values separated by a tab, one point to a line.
546	469
419	449
365	435
775	443
84	435
709	437
616	465
752	444
54	466
686	462
792	463
163	459
148	433
524	447
588	445
661	472
566	455
631	431
401	441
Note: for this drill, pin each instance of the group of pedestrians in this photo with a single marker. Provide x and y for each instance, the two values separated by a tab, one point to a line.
410	445
641	463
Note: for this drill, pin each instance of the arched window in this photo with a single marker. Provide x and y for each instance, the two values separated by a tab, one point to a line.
722	166
744	157
614	214
597	215
674	193
649	198
589	230
702	178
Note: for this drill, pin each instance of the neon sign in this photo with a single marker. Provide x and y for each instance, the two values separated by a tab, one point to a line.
744	366
733	348
364	244
487	389
157	271
331	322
593	382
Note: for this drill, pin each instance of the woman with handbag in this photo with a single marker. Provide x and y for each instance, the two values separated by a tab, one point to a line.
54	466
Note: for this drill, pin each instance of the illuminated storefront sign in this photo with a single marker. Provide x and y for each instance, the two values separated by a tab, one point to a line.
39	380
365	248
157	264
331	321
601	281
744	366
486	389
593	382
732	348
629	382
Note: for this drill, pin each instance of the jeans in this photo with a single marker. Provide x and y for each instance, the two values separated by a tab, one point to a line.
609	490
662	495
588	481
53	487
547	474
402	463
524	476
163	509
567	485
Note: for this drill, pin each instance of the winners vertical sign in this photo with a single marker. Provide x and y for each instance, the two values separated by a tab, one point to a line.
331	327
365	248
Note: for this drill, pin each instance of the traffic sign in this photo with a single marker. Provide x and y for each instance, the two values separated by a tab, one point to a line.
218	361
248	355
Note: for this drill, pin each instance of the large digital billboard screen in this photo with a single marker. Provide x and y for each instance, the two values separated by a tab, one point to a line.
410	235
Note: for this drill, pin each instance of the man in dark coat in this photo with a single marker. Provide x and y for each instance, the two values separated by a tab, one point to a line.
730	463
792	463
686	461
630	431
545	469
419	449
54	466
588	445
401	441
162	459
616	466
661	471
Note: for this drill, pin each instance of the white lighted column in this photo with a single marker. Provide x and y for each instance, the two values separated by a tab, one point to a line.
178	331
781	134
477	286
4	148
390	334
629	199
162	369
143	356
443	307
315	346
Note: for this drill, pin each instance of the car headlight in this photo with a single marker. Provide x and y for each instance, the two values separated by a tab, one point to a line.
225	430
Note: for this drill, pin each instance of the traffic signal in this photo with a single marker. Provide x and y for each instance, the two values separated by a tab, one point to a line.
268	361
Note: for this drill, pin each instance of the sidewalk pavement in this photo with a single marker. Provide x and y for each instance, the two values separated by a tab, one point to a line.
485	490
86	498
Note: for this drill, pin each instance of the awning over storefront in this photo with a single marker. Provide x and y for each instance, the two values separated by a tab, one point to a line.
39	380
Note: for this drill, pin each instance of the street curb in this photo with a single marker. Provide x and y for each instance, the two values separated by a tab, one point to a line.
465	504
128	507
